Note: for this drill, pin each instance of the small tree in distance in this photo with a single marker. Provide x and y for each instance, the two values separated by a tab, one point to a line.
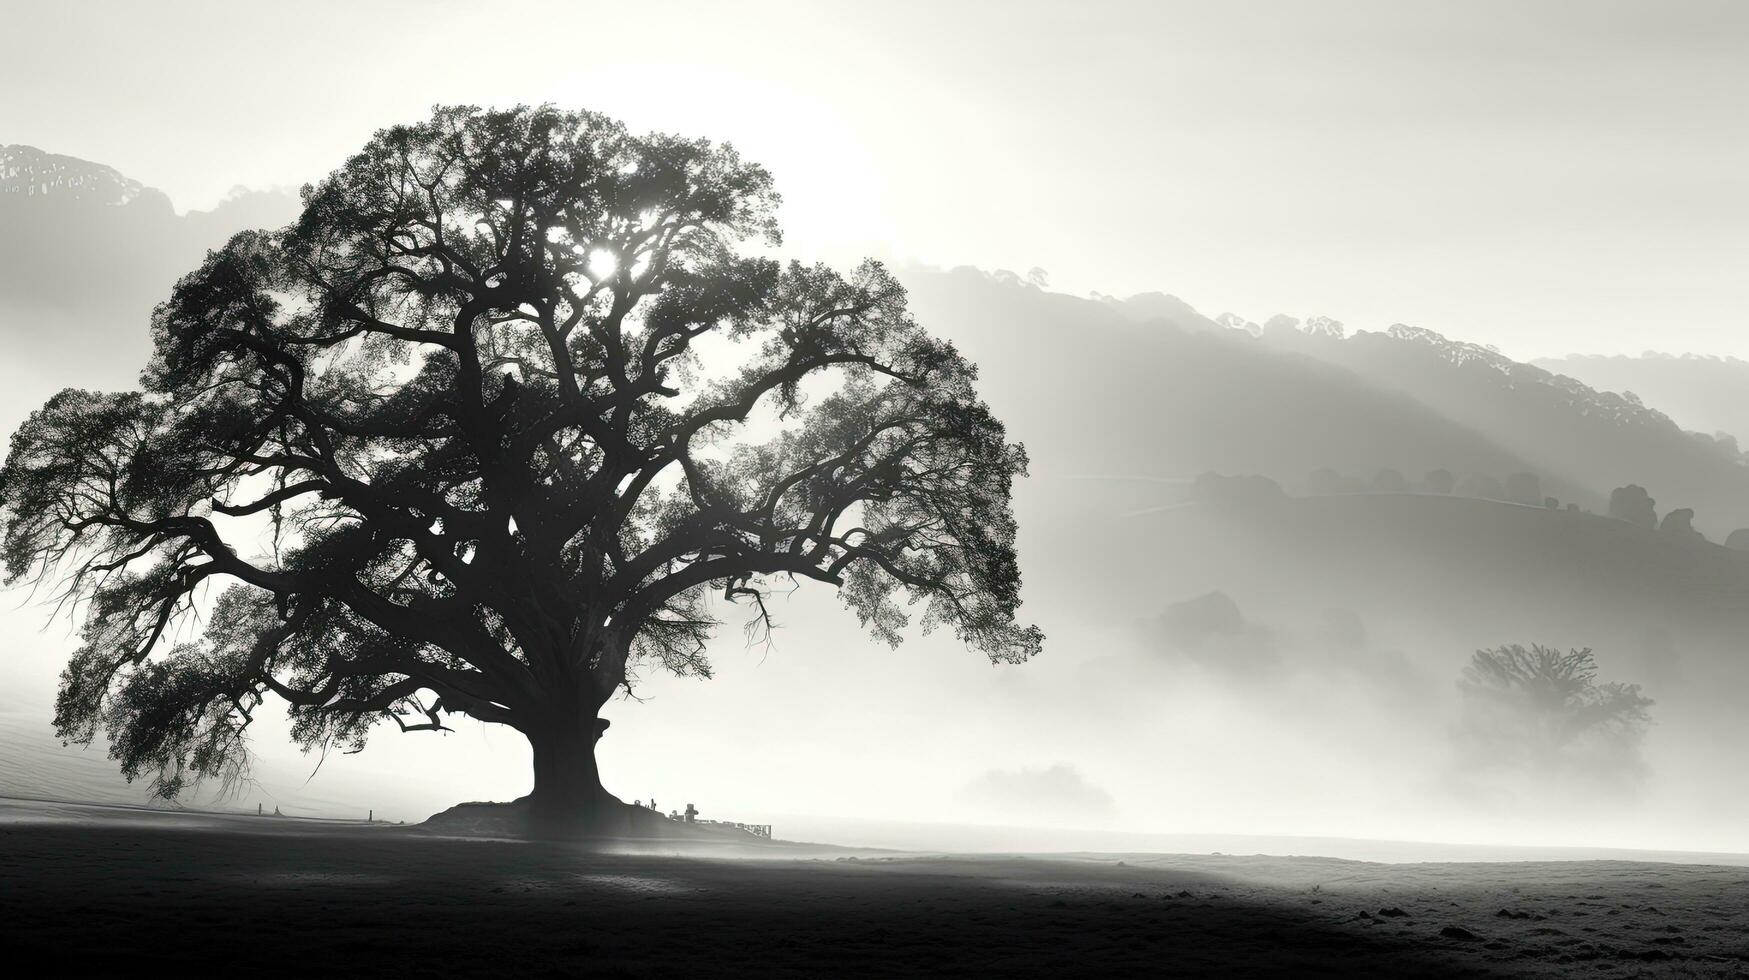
1524	488
1633	504
1680	522
498	414
1545	710
1389	481
1483	486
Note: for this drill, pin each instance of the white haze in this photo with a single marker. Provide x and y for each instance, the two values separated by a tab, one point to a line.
1285	733
1584	193
1558	176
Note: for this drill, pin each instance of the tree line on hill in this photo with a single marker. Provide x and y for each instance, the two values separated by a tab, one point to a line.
1631	503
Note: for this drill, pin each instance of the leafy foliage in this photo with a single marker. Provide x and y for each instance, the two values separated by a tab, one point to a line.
1544	709
26	171
1623	410
502	408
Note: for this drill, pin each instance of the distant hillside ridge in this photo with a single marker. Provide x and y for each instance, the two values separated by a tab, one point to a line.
1094	391
1146	386
1705	393
1603	439
1149	385
1470	572
82	239
29	172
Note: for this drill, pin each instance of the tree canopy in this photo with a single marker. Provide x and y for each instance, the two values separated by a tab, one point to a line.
482	432
1546	709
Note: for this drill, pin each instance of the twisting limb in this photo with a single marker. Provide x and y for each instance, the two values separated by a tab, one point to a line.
499	478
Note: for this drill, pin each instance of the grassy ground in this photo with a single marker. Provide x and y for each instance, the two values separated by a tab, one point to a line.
110	891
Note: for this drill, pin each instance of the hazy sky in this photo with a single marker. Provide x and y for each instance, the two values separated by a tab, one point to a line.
1543	176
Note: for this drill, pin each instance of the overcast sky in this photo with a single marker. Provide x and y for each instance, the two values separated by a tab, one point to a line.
1543	176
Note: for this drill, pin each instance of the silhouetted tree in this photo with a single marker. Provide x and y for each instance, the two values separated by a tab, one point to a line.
1281	324
1389	481
1233	321
498	412
1211	630
1545	709
1484	486
1738	539
1440	481
1524	488
1632	504
1551	503
1680	522
1211	614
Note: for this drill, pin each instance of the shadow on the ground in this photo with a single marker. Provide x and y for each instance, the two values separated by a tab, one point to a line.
148	900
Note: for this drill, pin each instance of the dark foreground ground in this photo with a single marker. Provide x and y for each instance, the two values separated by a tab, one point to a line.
102	891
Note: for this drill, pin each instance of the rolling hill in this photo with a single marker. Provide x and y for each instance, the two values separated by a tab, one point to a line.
1141	387
1599	438
1150	387
1094	390
85	253
1707	394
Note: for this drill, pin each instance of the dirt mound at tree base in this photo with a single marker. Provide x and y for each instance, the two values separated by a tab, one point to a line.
615	819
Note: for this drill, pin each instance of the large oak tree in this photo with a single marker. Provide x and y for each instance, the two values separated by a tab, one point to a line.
497	423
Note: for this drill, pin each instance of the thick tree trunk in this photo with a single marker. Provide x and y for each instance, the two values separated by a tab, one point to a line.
568	798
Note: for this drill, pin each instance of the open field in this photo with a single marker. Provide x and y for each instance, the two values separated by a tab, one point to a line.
105	890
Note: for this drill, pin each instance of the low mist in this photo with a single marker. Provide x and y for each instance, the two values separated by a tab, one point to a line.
1266	558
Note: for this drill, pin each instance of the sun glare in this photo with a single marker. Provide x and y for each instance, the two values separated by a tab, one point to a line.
602	264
